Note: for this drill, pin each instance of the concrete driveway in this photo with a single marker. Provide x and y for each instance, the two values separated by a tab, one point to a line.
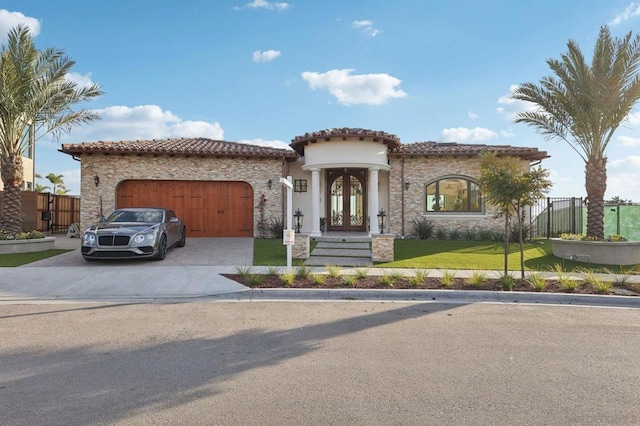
188	272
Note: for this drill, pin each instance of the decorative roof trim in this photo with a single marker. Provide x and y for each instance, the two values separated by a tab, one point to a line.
299	142
448	149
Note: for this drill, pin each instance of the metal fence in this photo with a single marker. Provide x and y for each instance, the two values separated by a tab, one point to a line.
552	216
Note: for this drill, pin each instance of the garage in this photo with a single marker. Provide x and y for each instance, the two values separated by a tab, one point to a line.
209	208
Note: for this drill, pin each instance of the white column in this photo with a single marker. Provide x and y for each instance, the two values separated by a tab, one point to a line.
373	201
315	203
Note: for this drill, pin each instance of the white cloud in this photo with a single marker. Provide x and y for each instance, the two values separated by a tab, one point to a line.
367	27
510	106
371	89
507	133
142	122
629	141
629	12
8	20
633	118
621	175
463	134
262	142
473	115
263	4
265	56
79	79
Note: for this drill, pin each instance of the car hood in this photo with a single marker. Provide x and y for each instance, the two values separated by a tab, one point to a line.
124	228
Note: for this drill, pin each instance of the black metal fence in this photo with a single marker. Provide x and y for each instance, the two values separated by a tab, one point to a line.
552	216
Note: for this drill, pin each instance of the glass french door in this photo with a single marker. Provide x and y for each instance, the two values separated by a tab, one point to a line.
346	195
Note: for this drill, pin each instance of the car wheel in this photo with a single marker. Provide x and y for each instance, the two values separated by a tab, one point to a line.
162	248
183	239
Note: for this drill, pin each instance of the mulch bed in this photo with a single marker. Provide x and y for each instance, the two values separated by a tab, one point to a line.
374	282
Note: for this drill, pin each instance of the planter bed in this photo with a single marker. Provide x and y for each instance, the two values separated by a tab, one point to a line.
26	246
602	252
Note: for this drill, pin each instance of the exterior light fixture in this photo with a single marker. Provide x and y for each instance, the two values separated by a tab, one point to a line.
299	219
96	180
406	184
270	183
381	216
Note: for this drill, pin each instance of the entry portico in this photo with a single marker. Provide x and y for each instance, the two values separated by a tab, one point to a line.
349	173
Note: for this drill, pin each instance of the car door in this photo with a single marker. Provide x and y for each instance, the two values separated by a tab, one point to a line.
173	228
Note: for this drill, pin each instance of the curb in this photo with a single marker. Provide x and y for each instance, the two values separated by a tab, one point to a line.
440	296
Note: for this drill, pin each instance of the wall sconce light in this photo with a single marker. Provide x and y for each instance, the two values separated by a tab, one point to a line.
299	218
406	184
96	180
270	183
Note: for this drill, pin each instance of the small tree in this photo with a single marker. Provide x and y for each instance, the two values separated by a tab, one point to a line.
510	189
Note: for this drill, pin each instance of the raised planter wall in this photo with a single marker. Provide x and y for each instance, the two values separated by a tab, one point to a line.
603	252
26	246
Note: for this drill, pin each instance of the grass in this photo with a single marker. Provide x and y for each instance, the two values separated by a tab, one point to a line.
18	259
271	252
484	255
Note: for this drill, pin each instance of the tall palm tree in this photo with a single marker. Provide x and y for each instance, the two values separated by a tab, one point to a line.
58	183
584	104
34	93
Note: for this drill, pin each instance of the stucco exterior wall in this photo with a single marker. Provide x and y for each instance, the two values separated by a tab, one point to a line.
419	171
113	169
345	153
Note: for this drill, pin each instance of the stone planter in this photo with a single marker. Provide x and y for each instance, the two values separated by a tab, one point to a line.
603	252
26	246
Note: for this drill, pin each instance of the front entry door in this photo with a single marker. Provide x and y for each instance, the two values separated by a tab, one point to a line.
347	200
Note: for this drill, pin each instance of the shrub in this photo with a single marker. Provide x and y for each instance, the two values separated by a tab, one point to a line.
567	282
243	271
386	280
598	283
497	235
537	281
470	234
441	234
455	234
276	227
318	279
361	273
30	235
476	279
485	235
254	279
507	282
349	280
418	278
273	270
288	278
514	232
333	271
303	271
422	228
447	279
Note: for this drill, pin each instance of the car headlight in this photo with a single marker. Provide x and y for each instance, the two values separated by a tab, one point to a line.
89	240
141	238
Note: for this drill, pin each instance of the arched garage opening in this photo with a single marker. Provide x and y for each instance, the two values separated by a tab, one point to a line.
209	208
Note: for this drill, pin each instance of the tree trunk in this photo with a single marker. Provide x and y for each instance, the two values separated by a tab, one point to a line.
506	244
11	217
596	185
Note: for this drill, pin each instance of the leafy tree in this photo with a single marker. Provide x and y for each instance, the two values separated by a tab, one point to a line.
34	94
618	201
584	104
58	183
510	188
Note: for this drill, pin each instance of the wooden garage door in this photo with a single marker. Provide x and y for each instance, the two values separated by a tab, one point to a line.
209	209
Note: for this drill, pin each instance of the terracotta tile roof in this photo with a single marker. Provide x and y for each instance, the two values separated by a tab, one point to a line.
299	142
182	146
436	149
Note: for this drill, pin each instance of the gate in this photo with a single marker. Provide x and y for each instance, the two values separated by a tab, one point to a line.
55	213
552	216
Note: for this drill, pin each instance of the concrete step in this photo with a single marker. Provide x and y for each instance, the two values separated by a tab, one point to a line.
341	253
338	261
346	245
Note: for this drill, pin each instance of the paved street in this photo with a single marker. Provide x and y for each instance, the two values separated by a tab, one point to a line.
275	363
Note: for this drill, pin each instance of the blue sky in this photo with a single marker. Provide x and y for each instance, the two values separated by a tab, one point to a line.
263	72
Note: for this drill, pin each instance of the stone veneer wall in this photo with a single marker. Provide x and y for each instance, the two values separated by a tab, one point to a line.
419	171
301	246
113	169
382	249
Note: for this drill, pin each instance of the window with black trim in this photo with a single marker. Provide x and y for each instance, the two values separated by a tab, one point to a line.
454	194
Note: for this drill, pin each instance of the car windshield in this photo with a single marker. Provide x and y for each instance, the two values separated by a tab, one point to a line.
147	216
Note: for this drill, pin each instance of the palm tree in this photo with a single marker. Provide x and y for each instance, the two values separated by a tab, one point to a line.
584	104
58	183
34	95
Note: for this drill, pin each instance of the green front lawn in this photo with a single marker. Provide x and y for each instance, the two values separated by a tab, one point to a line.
18	259
438	254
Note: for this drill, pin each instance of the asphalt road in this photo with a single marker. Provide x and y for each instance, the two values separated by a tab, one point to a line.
290	363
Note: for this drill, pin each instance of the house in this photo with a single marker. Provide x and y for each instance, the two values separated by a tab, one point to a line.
346	179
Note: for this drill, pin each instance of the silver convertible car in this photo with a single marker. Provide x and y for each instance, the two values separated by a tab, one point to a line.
134	233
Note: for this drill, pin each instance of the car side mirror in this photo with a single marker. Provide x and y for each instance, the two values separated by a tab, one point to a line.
101	219
173	220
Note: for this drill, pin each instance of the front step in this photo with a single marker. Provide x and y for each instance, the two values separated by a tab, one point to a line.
341	253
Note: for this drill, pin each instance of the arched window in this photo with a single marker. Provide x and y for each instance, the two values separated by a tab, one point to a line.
453	194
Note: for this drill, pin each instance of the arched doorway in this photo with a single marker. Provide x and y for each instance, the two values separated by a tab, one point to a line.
347	201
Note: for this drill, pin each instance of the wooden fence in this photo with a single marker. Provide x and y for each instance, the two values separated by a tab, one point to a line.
47	212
